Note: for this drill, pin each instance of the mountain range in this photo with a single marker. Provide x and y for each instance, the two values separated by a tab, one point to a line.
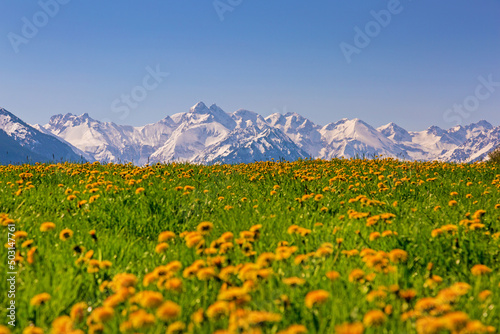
210	135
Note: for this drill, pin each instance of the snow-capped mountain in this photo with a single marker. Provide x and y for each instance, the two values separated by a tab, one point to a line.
252	144
208	135
22	143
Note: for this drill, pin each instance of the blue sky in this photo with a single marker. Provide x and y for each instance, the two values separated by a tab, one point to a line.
261	55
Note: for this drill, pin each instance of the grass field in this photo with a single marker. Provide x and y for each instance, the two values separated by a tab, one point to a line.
341	246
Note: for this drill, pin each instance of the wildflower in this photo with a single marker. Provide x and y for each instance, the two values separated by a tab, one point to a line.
374	236
407	294
40	299
174	284
455	321
316	297
148	299
102	314
485	294
141	319
168	311
139	190
48	226
205	274
33	330
295	329
166	236
374	318
205	227
294	281
429	325
218	309
332	275
356	275
62	324
176	328
31	255
93	235
65	234
350	328
161	248
398	255
480	269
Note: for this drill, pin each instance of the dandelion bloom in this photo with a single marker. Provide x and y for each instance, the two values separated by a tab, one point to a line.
356	275
166	236
480	269
40	299
218	309
316	297
350	328
294	281
295	329
48	226
374	318
141	319
161	248
33	330
455	321
429	325
333	275
485	294
65	234
4	330
102	314
168	311
398	255
176	328
148	299
204	227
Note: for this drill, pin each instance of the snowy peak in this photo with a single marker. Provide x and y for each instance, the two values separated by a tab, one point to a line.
209	134
395	132
245	118
23	143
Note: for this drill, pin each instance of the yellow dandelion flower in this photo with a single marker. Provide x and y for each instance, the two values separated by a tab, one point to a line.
40	299
374	318
350	328
168	311
480	269
294	281
48	226
166	236
65	234
161	248
316	297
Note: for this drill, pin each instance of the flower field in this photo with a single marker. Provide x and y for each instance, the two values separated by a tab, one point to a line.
313	246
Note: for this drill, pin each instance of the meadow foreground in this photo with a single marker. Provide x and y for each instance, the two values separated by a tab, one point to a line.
313	246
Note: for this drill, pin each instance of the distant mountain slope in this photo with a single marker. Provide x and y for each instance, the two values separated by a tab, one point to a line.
21	143
208	134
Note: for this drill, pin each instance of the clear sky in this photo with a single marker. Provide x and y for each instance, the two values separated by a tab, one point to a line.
323	59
